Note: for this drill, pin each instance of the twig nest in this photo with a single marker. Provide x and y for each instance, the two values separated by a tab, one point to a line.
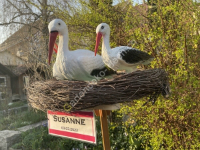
78	95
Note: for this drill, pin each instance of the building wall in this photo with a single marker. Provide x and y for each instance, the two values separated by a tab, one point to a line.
8	59
15	85
26	44
18	87
21	87
20	49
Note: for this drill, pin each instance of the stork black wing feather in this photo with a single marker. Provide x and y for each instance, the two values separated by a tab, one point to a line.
134	56
104	71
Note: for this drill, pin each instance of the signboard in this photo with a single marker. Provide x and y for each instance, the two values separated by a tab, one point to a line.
79	125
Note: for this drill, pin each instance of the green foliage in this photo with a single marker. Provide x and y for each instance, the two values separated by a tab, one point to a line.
170	34
120	137
169	30
14	121
40	139
85	17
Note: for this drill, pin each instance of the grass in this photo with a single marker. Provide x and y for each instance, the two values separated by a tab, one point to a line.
11	122
17	104
39	138
5	106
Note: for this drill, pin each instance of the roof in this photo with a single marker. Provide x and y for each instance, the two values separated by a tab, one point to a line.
5	71
22	33
12	55
18	70
13	39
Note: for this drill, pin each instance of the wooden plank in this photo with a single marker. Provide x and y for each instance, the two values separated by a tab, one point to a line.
97	112
108	112
104	129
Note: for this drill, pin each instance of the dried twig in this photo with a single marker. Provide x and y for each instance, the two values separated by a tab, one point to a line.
55	95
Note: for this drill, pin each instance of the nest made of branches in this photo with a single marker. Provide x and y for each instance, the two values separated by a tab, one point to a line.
78	95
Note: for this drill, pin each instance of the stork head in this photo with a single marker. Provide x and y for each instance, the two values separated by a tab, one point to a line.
56	26
101	30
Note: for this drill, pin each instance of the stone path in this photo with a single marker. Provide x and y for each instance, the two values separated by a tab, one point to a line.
10	137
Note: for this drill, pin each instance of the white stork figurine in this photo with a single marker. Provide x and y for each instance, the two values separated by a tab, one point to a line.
72	65
119	58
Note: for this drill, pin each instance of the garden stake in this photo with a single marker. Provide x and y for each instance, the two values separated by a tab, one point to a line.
104	129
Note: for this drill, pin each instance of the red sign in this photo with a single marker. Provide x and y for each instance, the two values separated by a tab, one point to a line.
79	125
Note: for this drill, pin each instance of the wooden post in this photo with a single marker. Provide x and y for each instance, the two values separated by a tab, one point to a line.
104	129
97	112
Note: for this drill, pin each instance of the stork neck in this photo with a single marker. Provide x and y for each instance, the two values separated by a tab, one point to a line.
62	46
106	44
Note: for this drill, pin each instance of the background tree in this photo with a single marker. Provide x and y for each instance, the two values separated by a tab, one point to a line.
170	33
83	20
34	16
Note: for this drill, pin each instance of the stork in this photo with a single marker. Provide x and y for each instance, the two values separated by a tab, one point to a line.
72	65
122	57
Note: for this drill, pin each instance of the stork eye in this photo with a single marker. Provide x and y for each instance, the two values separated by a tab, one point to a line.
102	27
58	23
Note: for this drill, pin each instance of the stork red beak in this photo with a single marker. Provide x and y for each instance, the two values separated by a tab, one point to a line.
52	39
55	48
98	38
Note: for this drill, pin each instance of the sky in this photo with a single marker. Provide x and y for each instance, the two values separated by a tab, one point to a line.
6	32
135	1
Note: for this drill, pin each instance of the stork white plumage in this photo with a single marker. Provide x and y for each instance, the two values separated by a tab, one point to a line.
119	58
72	65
